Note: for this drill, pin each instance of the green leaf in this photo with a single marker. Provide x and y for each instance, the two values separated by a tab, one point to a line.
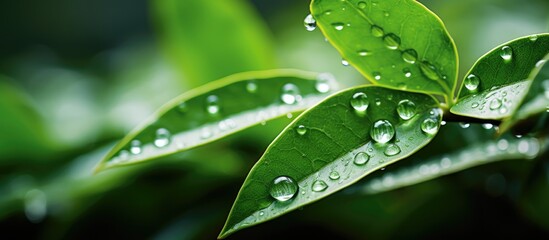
208	40
218	109
333	139
536	100
497	83
394	43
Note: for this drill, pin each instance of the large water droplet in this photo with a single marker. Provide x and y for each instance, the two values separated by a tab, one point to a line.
338	26
377	31
323	81
382	131
283	188
472	82
429	70
251	87
392	41
362	5
301	130
506	53
392	149
334	175
212	104
135	147
409	56
319	186
310	23
495	104
361	158
406	109
162	137
359	102
290	94
429	126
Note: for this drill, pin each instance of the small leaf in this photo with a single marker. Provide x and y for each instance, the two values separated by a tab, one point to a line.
218	109
536	100
498	81
331	146
394	43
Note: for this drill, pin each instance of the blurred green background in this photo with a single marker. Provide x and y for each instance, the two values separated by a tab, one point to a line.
75	76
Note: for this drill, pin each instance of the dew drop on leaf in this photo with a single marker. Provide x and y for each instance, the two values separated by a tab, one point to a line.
464	125
212	104
406	109
495	104
377	31
472	82
301	130
338	26
363	52
359	102
310	23
392	149
407	72
323	81
283	188
382	131
409	56
377	75
429	126
506	53
361	158
319	186
251	87
162	137
334	175
290	94
362	5
135	147
344	62
429	70
392	41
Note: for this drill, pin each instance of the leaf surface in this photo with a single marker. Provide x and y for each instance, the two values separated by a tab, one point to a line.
331	146
218	109
497	83
394	43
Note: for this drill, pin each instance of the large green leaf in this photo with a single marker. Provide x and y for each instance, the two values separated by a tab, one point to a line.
536	100
211	39
218	109
331	146
497	83
394	43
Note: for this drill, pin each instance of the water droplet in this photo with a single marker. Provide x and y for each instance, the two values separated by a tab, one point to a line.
409	56
36	205
283	189
251	87
182	107
290	94
363	52
429	70
361	158
360	102
533	38
406	109
206	133
429	126
495	104
377	31
382	131
506	53
407	72
464	125
442	123
472	82
503	144
386	14
301	130
474	105
540	63
162	137
392	149
310	23
487	126
362	5
392	41
445	162
261	213
338	26
334	175
344	62
135	147
323	81
212	104
377	75
319	186
377	101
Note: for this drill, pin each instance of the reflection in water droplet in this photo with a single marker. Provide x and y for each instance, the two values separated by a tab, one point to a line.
360	102
135	147
323	81
301	130
283	188
392	41
310	23
319	186
409	55
251	87
338	26
334	175
377	31
361	158
290	94
506	53
162	137
382	131
429	126
392	149
212	104
36	205
472	82
406	109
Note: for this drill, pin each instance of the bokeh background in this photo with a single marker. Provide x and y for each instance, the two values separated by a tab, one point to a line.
75	76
